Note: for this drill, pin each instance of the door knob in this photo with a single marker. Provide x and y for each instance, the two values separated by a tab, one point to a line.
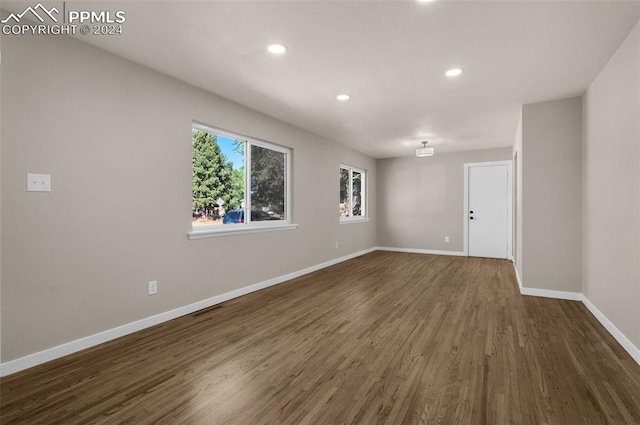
470	212
470	218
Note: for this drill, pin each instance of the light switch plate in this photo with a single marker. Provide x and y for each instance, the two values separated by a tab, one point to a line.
38	182
153	287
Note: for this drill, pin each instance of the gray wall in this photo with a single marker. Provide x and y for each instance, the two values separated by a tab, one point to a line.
116	138
551	191
611	178
420	200
0	213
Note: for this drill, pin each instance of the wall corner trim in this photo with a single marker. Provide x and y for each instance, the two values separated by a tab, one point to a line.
65	349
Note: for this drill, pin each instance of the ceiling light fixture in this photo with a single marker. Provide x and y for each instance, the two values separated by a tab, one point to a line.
453	72
424	150
343	97
277	49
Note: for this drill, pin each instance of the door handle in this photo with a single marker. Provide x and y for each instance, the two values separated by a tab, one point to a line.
470	218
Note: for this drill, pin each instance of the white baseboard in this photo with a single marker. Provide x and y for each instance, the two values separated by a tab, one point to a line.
630	348
515	269
546	293
421	251
613	330
53	353
62	350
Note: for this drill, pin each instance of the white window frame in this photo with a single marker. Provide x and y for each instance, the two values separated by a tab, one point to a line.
360	218
213	231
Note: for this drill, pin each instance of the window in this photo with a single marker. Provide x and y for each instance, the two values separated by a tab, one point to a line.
234	174
352	193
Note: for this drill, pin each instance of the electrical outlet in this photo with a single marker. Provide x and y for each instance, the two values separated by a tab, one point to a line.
153	287
336	244
446	239
38	182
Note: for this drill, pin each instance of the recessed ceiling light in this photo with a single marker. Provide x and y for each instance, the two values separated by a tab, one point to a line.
278	49
343	97
425	1
453	72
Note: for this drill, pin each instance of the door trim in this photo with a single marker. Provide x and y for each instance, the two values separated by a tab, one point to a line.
465	209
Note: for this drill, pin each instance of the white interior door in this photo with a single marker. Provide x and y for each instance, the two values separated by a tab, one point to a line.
488	212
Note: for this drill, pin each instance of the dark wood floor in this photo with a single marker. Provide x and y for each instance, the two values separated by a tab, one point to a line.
387	338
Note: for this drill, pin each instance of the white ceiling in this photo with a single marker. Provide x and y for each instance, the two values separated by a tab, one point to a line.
390	56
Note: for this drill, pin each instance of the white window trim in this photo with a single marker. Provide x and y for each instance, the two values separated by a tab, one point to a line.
365	210
242	229
214	231
349	220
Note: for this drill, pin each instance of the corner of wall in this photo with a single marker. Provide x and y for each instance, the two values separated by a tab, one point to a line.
0	215
517	199
611	191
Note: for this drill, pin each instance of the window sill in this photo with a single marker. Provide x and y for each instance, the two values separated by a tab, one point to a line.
240	230
354	220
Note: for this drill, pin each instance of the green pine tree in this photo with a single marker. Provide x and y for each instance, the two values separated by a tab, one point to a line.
213	175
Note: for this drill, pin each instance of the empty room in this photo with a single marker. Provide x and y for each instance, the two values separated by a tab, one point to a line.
320	212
